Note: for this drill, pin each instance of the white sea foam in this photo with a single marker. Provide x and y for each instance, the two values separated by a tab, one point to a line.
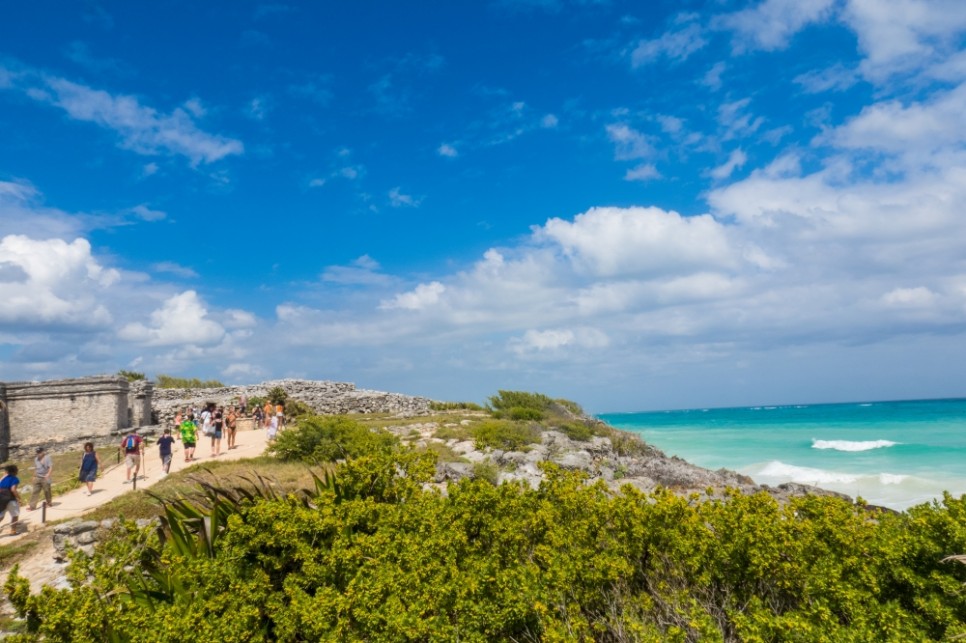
804	475
849	445
898	491
892	478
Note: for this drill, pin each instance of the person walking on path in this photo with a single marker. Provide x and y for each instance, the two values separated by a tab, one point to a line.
189	437
10	496
231	425
43	468
217	430
268	411
164	448
88	467
133	447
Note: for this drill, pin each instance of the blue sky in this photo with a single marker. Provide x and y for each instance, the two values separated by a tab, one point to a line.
633	205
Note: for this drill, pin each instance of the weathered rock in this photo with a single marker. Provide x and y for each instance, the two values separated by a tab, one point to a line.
321	396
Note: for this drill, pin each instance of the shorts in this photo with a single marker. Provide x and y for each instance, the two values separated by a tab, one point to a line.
216	435
12	508
133	460
188	445
166	460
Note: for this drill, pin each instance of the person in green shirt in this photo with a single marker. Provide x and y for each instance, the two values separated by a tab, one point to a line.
189	437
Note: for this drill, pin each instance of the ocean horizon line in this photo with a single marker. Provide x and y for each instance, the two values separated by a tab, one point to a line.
787	405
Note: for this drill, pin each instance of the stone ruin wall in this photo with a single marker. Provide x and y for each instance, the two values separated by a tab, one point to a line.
62	412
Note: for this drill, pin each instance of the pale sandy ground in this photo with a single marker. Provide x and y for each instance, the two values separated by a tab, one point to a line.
41	568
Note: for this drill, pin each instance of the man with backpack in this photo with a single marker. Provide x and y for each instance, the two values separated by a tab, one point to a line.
133	447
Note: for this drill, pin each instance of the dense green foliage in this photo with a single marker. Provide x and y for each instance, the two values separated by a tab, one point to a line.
167	381
297	408
330	438
506	435
370	554
130	376
519	405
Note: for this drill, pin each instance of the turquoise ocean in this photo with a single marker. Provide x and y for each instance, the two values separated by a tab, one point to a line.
894	454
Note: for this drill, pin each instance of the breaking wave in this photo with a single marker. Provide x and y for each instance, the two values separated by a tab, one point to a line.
849	445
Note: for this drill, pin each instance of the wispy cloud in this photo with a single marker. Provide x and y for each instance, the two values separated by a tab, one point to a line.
258	108
172	268
770	24
447	150
140	128
399	200
735	160
838	77
363	271
642	172
628	142
674	46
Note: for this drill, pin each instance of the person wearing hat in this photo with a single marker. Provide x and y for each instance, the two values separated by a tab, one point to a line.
43	469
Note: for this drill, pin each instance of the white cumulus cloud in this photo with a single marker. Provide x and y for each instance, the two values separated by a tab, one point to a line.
181	320
423	296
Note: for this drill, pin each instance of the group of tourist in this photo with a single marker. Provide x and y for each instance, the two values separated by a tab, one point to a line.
10	498
212	421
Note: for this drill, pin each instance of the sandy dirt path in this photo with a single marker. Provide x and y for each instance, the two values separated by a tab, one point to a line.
41	567
111	480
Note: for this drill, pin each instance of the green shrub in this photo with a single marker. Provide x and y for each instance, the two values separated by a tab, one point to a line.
505	403
130	376
570	406
628	444
277	395
523	414
576	431
486	471
329	438
297	408
455	406
502	434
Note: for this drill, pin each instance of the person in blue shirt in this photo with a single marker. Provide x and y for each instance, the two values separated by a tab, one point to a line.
88	468
164	447
10	496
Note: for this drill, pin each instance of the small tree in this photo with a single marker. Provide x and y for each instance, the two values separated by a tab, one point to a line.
277	395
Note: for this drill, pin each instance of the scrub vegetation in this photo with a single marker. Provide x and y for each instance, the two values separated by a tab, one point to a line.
366	548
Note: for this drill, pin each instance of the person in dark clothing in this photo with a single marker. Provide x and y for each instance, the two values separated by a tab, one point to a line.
88	468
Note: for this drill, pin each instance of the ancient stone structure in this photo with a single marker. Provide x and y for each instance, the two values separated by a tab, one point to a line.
66	412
